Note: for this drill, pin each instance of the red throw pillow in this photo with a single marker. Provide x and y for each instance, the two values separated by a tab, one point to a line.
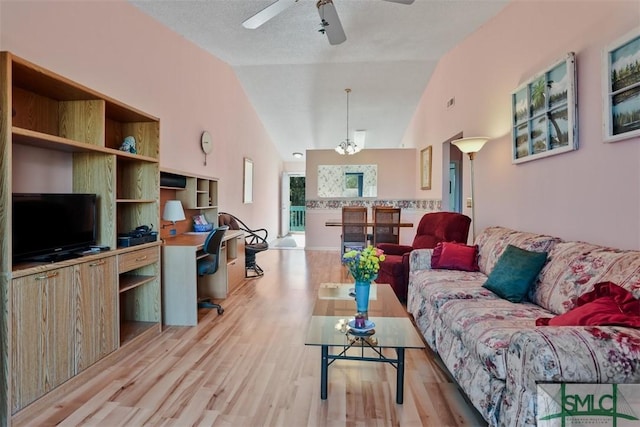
607	304
455	256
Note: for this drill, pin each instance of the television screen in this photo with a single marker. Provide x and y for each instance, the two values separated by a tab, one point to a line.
46	225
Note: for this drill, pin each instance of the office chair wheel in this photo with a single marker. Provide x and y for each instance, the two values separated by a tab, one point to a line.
206	303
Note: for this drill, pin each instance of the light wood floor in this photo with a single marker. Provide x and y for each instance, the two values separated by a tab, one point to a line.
250	367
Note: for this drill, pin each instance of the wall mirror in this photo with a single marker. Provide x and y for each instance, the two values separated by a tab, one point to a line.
347	180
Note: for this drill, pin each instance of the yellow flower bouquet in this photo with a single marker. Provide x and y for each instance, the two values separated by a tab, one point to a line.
363	264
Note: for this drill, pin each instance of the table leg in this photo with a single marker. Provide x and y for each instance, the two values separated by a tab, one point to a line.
400	376
324	367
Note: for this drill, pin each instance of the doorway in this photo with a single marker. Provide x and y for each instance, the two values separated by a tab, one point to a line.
455	186
292	211
452	176
297	212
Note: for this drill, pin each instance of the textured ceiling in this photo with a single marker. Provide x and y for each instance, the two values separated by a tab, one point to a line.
296	80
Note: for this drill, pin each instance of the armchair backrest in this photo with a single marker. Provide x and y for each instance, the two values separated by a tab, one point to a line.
439	227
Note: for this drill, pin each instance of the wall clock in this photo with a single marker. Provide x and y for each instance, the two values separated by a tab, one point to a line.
206	144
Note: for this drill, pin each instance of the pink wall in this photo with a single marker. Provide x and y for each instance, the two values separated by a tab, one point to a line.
592	194
395	169
115	49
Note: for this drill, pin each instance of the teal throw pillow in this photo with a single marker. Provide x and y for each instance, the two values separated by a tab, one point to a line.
515	272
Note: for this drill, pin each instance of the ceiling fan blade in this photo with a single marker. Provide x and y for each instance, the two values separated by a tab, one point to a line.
401	1
330	22
267	13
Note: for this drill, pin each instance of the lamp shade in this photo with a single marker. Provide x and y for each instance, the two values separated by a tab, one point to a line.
470	145
173	211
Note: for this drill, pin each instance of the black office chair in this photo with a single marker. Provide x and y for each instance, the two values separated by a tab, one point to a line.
209	265
254	241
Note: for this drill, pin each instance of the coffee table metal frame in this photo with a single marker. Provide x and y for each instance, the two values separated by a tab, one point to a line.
328	358
394	330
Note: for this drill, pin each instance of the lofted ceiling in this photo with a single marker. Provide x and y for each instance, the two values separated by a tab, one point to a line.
296	80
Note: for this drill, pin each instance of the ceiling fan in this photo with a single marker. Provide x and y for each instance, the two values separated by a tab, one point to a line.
329	20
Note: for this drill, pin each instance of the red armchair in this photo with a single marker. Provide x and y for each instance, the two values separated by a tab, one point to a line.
433	228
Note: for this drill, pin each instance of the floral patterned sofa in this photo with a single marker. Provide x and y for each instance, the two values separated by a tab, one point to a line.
492	346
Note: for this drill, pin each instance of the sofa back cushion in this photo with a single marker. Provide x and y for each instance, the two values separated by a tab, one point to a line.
494	240
573	268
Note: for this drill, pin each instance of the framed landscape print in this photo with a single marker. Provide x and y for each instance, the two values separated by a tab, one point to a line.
621	83
425	168
544	113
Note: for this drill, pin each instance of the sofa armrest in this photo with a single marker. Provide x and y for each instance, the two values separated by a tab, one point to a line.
420	259
575	353
571	354
393	249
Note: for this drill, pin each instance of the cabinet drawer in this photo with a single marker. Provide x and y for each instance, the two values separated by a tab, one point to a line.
235	274
132	260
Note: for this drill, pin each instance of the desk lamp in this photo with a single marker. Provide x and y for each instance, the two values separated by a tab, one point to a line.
471	146
173	212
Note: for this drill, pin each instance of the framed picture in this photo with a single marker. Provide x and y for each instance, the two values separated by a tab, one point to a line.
621	88
545	113
425	168
248	181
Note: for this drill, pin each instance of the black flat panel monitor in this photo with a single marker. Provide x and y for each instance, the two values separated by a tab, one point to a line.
51	226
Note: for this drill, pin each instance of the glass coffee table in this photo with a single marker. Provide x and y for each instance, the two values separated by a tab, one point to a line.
335	306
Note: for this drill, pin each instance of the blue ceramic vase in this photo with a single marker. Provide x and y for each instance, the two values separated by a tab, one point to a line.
362	296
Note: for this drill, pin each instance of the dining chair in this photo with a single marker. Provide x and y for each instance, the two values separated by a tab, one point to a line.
354	228
386	225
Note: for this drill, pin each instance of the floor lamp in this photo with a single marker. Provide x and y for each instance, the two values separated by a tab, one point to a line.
471	146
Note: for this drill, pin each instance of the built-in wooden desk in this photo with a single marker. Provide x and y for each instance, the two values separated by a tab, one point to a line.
180	282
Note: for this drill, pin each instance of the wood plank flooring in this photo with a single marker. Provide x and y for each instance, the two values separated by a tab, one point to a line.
250	367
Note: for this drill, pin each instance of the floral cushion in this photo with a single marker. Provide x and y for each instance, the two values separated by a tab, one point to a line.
433	288
494	240
573	268
608	354
485	326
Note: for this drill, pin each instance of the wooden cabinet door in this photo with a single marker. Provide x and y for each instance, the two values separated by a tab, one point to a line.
42	331
96	296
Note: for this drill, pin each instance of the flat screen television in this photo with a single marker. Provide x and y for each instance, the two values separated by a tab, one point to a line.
52	226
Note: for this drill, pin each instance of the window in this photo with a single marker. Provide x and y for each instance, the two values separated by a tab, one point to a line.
544	113
353	183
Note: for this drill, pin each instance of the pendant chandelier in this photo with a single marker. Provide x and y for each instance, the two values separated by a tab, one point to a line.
347	146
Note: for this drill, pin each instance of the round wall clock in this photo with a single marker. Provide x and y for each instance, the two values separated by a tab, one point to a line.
206	143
